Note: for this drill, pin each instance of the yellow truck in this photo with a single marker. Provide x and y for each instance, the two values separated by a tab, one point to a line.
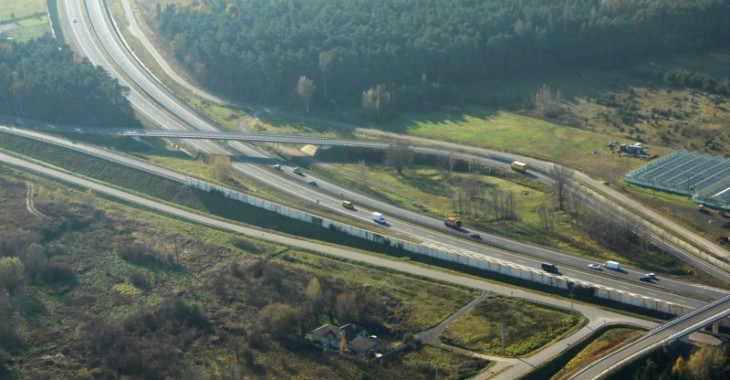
519	166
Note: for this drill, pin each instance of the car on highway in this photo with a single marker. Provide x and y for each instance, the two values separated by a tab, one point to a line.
312	182
594	266
348	205
277	167
298	170
646	278
475	236
651	276
74	20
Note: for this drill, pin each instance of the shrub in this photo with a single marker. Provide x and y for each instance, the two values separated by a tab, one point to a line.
137	253
139	280
11	273
56	273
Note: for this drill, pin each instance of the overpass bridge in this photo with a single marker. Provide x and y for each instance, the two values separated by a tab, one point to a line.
675	329
248	137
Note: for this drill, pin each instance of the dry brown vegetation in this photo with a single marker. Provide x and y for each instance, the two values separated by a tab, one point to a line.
106	296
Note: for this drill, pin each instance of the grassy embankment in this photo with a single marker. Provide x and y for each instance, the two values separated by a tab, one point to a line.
23	20
528	327
601	341
214	275
608	341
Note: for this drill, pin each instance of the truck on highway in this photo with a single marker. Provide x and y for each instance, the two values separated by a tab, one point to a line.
452	222
612	265
547	267
519	166
378	217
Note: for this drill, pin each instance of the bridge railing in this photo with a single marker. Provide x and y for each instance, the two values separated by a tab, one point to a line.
652	332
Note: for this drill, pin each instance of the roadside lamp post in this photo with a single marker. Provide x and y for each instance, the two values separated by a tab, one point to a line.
571	303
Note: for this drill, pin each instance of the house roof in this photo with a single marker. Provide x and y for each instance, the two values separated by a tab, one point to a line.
351	331
363	343
326	330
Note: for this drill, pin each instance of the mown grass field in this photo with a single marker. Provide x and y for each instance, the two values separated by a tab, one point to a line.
528	327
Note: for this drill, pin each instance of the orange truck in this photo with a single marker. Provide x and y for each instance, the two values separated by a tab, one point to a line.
452	222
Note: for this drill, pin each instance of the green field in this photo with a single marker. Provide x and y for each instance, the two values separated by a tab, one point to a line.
20	9
528	327
23	20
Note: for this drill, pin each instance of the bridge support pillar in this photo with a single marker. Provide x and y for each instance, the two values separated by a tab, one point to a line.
716	328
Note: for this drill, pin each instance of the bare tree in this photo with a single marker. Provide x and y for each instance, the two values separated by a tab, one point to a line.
363	169
222	168
445	165
561	175
474	191
547	102
547	218
399	155
325	63
305	90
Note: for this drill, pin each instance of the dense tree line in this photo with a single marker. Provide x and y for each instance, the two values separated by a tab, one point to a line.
414	49
41	80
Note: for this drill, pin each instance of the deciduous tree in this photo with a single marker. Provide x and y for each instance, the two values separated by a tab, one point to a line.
399	155
305	90
561	176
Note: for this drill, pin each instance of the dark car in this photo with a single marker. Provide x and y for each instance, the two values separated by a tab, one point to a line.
547	267
646	278
475	236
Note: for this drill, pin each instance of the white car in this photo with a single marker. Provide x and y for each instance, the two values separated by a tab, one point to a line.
594	266
650	276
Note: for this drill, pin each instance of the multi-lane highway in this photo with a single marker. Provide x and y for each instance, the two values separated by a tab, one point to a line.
146	89
665	289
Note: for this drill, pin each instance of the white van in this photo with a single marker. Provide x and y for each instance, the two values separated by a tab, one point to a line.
378	217
612	265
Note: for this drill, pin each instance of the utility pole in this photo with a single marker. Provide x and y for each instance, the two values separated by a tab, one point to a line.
177	253
503	338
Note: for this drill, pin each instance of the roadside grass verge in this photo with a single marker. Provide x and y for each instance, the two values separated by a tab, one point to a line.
603	338
607	342
528	327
